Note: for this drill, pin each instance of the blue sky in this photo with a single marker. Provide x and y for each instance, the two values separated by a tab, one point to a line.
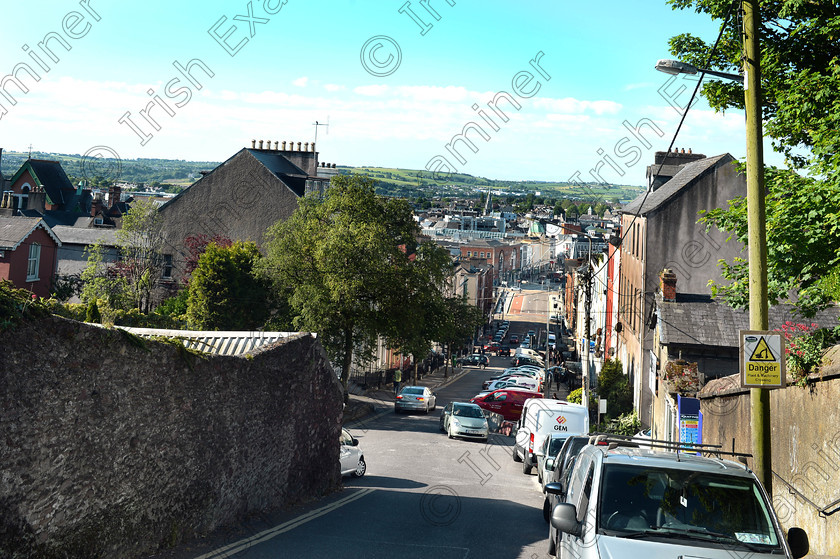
397	103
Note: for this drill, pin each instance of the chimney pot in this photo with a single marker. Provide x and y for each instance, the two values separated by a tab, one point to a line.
689	150
275	145
683	150
261	143
253	144
313	147
668	285
333	165
298	146
306	146
284	145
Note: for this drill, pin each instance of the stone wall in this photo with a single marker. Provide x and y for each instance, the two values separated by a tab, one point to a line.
805	448
111	446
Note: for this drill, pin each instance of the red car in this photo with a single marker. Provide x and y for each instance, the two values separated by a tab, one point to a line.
492	347
506	401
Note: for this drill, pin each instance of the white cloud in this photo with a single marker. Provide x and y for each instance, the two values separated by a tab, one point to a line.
334	87
371	90
301	82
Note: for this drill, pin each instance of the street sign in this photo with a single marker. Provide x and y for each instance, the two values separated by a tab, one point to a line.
762	359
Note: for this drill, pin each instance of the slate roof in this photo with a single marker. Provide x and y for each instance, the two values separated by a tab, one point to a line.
671	189
700	320
15	230
51	177
86	235
289	173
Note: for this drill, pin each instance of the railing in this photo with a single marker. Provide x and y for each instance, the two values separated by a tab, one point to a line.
822	511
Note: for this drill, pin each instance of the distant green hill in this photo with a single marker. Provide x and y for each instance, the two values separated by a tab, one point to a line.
410	183
406	183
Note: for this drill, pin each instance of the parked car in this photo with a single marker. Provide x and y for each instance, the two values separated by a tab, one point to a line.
474	360
546	456
504	350
350	456
507	402
514	338
540	418
415	398
493	347
561	467
463	419
627	502
521	381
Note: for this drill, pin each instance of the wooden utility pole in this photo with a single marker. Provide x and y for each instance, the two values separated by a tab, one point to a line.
757	234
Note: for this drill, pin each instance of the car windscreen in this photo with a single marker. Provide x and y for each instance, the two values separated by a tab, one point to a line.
468	411
673	504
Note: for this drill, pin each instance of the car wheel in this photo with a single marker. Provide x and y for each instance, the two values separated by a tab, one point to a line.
361	467
526	468
516	457
442	428
449	432
546	507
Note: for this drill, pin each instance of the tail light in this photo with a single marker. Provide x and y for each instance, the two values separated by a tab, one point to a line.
399	397
531	444
420	398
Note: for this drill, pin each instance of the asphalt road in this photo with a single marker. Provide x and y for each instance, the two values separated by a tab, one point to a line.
423	496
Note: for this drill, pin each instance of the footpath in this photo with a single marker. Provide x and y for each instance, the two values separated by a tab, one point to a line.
375	401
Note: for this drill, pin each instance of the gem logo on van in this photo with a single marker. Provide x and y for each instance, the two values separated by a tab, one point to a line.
561	419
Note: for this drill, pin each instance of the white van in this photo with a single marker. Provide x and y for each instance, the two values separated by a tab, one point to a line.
540	418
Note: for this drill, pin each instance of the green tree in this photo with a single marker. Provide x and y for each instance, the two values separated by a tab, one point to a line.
141	246
418	315
224	292
615	389
801	92
339	261
100	282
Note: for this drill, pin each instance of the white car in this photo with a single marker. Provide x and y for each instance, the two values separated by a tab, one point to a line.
464	419
350	456
521	381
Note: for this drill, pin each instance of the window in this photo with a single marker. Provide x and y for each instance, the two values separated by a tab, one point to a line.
469	254
34	261
167	266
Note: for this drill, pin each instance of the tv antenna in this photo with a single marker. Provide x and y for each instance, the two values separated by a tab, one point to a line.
317	124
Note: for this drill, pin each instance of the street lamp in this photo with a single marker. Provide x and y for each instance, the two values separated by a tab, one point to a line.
675	67
756	221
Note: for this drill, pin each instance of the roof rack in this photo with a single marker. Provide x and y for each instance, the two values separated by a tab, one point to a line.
613	441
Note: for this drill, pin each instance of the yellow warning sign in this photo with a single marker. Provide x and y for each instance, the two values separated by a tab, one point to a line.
762	359
762	351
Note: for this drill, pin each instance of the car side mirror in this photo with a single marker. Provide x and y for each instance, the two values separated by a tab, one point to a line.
549	464
798	541
355	441
564	519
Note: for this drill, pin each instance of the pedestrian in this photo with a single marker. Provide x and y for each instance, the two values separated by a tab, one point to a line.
397	380
554	396
557	377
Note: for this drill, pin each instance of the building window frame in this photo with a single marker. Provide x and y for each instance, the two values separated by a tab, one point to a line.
33	263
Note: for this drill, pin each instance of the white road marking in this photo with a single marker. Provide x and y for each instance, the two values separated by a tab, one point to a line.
232	549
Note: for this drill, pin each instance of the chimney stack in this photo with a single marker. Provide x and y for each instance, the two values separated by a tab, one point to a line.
668	285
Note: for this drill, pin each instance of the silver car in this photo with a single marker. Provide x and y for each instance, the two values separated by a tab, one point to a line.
350	456
463	419
415	398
